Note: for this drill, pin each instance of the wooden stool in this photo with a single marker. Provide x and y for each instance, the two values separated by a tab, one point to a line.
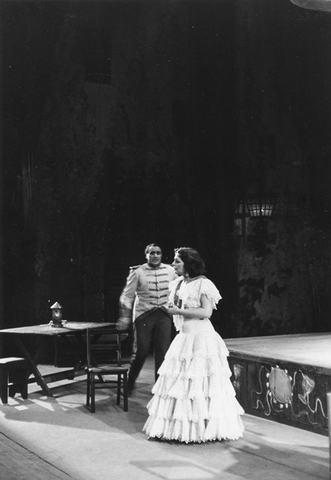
18	366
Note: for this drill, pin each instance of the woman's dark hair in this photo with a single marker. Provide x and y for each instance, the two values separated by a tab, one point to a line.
193	263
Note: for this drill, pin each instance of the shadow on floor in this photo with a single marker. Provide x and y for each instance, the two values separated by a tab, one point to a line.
110	444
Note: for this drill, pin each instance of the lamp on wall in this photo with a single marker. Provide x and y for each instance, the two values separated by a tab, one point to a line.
260	207
320	5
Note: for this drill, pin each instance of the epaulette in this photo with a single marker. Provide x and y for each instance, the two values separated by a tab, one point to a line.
135	267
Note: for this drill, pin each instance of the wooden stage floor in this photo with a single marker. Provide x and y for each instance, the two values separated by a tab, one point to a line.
284	378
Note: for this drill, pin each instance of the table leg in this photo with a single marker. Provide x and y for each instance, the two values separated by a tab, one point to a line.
33	367
79	362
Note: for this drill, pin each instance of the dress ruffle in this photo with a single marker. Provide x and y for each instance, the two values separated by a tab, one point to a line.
190	295
193	398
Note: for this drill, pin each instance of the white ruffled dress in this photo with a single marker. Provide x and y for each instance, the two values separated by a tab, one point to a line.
193	398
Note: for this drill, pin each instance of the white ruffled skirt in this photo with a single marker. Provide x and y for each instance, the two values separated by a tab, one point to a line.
193	398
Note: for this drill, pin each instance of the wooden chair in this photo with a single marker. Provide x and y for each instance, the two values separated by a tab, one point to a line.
13	377
104	359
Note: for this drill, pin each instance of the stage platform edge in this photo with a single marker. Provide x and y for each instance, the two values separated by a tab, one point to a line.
283	378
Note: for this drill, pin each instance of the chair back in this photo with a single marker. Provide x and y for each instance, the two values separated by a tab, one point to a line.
104	346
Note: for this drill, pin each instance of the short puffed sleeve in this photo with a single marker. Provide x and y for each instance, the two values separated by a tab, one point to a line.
209	289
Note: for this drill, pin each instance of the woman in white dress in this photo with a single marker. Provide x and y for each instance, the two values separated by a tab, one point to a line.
193	398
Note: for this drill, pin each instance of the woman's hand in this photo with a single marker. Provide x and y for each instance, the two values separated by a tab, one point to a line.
174	310
204	311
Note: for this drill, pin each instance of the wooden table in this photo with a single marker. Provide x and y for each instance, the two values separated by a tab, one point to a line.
42	333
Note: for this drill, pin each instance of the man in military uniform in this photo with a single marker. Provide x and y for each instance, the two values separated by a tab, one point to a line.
143	301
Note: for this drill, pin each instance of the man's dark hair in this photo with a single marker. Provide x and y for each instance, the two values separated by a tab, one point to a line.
151	245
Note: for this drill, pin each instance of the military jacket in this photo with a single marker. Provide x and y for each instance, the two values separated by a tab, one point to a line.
146	289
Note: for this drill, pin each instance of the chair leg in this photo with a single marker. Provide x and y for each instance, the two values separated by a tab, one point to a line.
125	391
4	385
122	382
92	386
88	389
119	383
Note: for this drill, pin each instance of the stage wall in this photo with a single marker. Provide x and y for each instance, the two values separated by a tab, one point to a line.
284	378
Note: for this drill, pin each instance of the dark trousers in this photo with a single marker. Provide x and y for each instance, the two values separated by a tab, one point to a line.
153	329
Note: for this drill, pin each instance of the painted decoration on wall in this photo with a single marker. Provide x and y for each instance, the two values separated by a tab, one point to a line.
278	391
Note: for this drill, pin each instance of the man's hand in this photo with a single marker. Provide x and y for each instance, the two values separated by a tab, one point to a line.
123	323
